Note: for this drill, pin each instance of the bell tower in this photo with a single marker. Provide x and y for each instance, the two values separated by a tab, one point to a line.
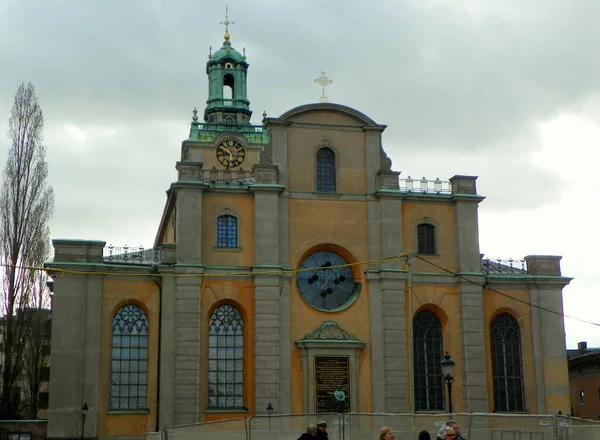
227	94
225	139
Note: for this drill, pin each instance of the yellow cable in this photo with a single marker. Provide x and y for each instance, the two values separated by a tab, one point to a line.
63	272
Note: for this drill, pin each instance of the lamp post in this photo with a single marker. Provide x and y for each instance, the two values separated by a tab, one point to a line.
269	412
84	410
448	365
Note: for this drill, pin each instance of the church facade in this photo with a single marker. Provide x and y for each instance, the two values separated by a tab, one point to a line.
291	262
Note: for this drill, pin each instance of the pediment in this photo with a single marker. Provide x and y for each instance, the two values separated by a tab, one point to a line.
330	332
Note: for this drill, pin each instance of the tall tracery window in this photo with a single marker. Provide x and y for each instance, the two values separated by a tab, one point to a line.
129	359
427	355
426	238
507	366
227	231
325	170
226	358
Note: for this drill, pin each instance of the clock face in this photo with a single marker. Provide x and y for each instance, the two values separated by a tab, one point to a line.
230	153
324	284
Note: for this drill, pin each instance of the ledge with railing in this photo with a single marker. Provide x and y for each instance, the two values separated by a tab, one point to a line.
503	267
424	185
132	255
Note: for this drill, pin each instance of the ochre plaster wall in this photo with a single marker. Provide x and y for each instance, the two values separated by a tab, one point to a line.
116	294
347	143
241	295
494	304
313	225
442	216
240	206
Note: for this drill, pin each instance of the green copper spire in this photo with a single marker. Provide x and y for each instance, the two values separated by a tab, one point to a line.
227	96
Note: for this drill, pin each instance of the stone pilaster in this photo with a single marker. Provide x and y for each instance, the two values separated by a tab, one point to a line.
285	349
267	289
76	324
393	325
548	333
472	359
472	363
167	349
189	221
187	406
267	353
373	155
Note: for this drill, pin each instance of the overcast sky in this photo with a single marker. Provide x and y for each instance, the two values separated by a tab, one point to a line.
503	89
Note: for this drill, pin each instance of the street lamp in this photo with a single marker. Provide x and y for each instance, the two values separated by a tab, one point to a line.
84	410
448	365
270	412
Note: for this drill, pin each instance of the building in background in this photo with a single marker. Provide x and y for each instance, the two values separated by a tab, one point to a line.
35	375
292	259
584	380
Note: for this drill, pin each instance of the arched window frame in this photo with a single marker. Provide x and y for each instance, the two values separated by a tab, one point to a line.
427	357
426	238
226	358
326	171
227	231
507	364
129	359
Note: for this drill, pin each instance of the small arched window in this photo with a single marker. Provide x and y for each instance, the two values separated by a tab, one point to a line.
427	355
129	359
507	364
426	238
227	231
326	170
226	358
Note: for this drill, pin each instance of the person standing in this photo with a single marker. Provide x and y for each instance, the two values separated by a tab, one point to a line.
311	432
457	435
386	433
322	430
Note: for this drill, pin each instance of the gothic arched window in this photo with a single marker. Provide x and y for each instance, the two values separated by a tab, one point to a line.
129	359
325	170
427	355
507	366
426	238
226	358
227	231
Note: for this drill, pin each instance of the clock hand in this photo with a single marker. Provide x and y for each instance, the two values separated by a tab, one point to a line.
221	147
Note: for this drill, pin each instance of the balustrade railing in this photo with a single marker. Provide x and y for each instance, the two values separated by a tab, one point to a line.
132	255
231	127
424	185
500	266
235	177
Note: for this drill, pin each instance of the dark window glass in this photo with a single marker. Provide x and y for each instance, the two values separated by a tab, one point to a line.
43	401
507	366
227	231
45	374
326	170
426	238
226	358
427	356
129	359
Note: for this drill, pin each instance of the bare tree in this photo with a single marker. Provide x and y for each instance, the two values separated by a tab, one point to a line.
26	204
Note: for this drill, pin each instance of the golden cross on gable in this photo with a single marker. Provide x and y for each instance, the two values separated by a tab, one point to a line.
226	22
323	81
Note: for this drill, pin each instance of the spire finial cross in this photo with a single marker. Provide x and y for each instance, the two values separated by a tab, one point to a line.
323	81
226	22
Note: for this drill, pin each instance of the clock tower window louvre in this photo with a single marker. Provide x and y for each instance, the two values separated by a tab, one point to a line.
227	231
326	178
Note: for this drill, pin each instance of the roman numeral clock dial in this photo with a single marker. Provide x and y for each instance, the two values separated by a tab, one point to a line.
230	153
